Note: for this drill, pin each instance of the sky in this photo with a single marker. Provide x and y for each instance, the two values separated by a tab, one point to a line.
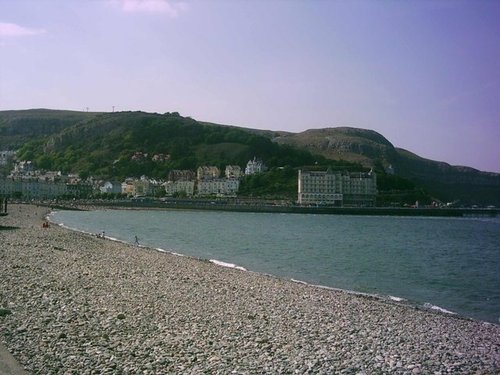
424	74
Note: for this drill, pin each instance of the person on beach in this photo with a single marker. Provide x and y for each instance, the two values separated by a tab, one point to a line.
136	241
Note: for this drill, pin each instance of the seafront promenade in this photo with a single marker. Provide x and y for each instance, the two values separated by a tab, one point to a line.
76	304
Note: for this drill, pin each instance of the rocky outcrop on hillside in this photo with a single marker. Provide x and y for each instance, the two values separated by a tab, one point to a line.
351	144
371	149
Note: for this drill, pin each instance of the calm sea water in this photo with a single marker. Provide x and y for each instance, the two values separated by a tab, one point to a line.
452	263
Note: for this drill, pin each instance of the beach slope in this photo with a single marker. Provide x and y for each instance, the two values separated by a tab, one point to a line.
76	304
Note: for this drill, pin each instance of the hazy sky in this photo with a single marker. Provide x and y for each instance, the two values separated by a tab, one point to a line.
425	74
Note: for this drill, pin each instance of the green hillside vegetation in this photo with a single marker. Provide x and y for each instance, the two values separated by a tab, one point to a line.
396	190
18	127
103	146
450	182
277	183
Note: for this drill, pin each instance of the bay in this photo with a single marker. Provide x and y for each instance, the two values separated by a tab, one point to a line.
447	263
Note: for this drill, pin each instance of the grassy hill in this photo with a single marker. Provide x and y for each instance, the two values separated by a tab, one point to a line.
19	127
102	145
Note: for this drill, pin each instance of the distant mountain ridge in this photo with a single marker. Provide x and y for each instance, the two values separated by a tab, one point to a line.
91	141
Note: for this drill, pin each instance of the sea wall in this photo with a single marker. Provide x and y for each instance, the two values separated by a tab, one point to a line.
320	210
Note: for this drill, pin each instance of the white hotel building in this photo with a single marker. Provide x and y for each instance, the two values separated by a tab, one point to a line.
334	188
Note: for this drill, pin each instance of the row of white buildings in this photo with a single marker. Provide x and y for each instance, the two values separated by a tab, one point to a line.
329	188
41	189
205	182
27	182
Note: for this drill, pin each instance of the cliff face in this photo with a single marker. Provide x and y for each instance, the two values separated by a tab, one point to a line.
371	149
357	145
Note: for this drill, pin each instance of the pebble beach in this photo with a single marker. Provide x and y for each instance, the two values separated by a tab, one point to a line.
72	303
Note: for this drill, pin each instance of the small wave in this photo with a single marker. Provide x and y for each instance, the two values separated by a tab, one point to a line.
299	282
430	306
322	286
397	299
348	291
177	254
228	265
62	225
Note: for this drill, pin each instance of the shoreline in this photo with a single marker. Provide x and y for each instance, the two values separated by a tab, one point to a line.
426	306
402	299
80	304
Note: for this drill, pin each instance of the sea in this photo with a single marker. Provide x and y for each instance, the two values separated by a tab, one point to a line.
446	264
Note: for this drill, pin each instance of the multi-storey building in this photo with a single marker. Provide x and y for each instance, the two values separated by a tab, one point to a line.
207	173
128	187
218	187
360	189
24	167
180	186
142	187
181	175
41	189
111	187
255	166
334	188
29	183
320	187
233	171
79	190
